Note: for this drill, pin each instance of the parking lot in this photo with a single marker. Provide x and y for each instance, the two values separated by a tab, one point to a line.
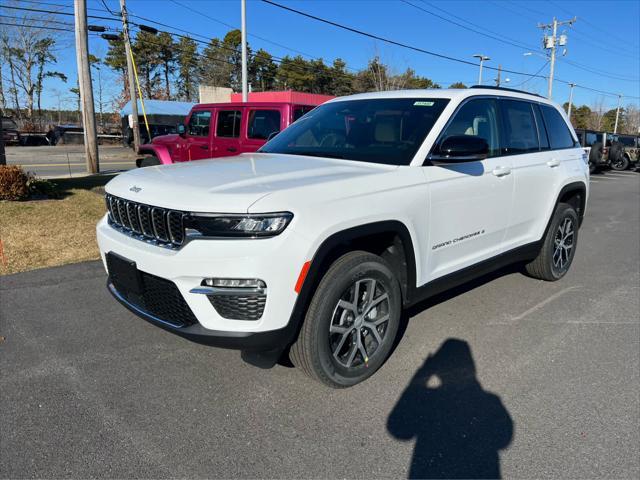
507	376
68	160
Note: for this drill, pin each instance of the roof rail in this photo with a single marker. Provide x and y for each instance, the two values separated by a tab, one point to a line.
490	87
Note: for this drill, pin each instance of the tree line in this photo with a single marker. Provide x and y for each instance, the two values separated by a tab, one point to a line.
599	118
173	69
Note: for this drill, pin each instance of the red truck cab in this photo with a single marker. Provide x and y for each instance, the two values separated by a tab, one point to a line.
221	130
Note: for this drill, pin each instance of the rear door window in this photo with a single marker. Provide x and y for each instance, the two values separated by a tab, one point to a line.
521	135
559	134
199	123
229	123
542	130
263	123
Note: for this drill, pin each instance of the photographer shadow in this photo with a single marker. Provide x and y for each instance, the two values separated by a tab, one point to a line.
458	427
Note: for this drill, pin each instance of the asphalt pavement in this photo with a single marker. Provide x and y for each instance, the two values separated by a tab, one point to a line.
69	160
508	376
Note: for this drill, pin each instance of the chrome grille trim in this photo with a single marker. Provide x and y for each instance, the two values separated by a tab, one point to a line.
156	225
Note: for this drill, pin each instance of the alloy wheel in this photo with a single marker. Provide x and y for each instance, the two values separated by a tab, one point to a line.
563	244
359	323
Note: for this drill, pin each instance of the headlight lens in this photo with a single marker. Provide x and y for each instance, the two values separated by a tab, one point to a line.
242	225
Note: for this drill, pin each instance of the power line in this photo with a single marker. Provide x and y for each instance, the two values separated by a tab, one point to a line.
414	48
496	36
479	32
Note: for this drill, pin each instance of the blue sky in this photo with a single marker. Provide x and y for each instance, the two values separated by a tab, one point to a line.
604	40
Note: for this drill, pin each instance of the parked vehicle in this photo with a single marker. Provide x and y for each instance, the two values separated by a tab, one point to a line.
366	206
625	150
162	115
596	144
10	132
237	128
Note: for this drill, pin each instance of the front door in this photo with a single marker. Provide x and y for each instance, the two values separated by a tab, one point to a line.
198	135
469	203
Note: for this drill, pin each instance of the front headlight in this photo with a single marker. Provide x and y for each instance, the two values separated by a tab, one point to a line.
247	225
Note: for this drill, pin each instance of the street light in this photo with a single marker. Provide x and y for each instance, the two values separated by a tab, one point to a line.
482	60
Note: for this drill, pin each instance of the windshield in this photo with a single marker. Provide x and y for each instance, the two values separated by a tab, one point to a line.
386	131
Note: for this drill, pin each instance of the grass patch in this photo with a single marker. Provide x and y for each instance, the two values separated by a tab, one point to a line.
46	233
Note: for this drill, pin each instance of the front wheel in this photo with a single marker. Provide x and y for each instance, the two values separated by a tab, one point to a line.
351	323
558	246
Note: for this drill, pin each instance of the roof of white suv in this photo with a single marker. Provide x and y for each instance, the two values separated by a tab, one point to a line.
451	93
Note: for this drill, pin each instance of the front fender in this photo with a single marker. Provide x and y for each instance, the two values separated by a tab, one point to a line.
159	151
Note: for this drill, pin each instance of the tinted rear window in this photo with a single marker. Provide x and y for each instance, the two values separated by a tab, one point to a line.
263	123
559	134
542	130
521	135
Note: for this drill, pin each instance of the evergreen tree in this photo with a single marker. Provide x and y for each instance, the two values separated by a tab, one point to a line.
187	59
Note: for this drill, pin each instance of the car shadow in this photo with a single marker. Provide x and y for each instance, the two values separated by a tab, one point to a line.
459	428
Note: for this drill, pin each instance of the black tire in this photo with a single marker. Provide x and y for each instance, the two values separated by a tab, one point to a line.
595	157
317	351
552	263
620	162
149	161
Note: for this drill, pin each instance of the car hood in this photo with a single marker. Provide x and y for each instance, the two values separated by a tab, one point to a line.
232	184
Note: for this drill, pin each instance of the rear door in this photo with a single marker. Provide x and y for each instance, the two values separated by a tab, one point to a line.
536	169
198	135
226	140
261	122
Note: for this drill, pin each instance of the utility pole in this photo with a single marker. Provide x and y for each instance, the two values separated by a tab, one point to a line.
498	77
551	42
130	77
615	128
243	15
482	60
571	85
86	88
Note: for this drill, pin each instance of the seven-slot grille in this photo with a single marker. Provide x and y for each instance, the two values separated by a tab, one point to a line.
145	222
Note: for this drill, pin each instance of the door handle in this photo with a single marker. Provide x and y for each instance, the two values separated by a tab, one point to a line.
204	147
501	171
554	162
232	149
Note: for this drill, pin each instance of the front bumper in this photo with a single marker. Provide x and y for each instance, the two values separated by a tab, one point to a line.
276	261
250	341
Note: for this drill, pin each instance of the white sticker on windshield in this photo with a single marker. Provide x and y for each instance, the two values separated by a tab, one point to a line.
423	104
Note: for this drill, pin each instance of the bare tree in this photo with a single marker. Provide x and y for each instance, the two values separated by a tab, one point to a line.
597	114
28	48
632	119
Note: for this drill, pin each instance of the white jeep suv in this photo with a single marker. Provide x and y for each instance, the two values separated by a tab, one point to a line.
366	205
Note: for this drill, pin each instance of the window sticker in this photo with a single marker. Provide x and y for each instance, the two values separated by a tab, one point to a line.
423	104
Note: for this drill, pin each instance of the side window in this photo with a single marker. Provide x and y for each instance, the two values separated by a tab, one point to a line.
480	118
199	123
229	123
301	110
591	139
542	130
520	135
263	123
559	134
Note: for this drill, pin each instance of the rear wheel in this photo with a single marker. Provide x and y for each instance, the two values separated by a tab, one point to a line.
558	247
351	323
620	163
149	161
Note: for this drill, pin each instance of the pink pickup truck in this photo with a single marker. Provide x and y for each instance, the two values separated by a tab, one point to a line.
224	129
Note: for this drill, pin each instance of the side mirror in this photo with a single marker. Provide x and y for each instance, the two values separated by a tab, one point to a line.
273	134
460	148
181	129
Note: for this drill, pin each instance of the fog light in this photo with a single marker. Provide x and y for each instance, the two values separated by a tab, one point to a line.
234	283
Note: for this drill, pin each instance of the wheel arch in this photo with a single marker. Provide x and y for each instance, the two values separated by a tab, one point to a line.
390	239
159	151
575	194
